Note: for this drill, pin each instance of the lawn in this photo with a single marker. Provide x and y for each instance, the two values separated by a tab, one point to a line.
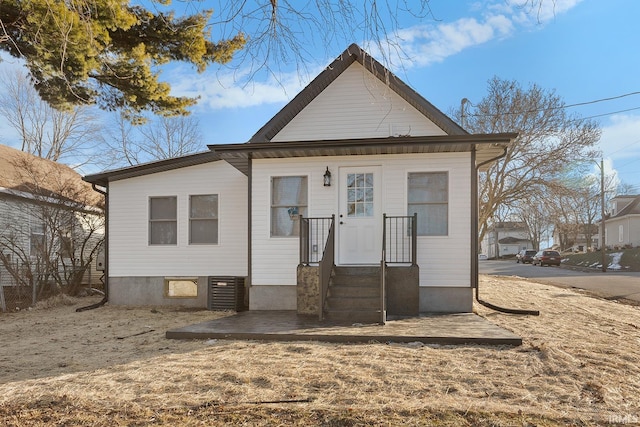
579	365
622	260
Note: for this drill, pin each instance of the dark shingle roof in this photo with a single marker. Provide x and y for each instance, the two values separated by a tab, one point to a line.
103	178
632	208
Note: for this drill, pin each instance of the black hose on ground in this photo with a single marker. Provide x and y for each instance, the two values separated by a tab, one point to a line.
506	310
477	285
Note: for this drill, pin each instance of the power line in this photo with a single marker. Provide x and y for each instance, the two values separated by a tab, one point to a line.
595	101
605	114
601	100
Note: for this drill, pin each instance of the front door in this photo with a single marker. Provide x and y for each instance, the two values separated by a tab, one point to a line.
360	215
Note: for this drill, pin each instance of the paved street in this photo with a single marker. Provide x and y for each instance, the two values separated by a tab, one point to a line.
612	285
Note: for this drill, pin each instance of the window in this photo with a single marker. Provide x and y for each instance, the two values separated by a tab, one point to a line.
203	219
66	246
360	194
36	238
288	202
163	224
429	198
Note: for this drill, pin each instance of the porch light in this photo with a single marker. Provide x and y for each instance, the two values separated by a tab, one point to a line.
327	178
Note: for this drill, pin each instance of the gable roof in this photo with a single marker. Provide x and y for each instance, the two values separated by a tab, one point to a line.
631	208
23	174
354	54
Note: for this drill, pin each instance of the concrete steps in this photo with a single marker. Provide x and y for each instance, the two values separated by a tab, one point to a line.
354	295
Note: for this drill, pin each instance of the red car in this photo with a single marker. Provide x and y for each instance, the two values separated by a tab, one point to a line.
546	257
525	256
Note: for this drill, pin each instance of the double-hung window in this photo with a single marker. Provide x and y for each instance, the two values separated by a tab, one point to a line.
36	236
203	219
163	220
428	196
288	202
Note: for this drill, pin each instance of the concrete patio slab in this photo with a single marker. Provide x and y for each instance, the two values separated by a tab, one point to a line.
465	328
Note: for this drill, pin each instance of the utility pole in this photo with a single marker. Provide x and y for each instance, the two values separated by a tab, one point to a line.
462	104
603	246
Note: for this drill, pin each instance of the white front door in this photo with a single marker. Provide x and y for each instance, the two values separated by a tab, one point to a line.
360	215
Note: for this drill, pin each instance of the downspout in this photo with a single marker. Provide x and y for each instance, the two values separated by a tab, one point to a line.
249	229
474	241
106	250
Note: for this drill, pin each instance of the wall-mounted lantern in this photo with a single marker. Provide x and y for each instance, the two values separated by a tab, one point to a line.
327	178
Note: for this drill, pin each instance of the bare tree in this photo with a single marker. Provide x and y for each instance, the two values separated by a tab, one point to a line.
549	139
44	131
52	228
287	31
161	138
576	205
169	137
532	211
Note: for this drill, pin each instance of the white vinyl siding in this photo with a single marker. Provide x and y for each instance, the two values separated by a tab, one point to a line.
129	252
357	105
274	260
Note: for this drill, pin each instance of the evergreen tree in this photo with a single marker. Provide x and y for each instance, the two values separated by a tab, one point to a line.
107	52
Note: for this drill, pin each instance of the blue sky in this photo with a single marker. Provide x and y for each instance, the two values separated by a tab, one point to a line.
585	50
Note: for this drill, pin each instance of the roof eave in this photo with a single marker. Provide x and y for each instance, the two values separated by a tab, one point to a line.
103	178
488	147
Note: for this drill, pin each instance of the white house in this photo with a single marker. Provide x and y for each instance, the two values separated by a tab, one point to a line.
506	238
297	212
622	226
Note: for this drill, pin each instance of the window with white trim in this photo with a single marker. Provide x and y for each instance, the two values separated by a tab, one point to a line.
203	219
428	196
163	220
621	233
36	236
288	202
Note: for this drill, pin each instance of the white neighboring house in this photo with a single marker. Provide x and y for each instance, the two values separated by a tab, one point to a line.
506	238
622	226
50	228
300	206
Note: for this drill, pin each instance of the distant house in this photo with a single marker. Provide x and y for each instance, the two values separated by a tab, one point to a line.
622	226
50	227
505	239
575	237
357	199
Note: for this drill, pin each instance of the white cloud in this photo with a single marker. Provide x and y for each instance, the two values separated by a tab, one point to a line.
236	89
426	45
429	44
620	144
422	44
621	138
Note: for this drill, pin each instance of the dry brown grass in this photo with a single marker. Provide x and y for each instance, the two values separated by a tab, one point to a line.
579	365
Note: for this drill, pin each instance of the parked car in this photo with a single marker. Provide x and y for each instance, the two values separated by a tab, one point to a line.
547	257
525	256
483	257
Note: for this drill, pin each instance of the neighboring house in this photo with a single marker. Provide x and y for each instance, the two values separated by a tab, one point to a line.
505	239
297	212
50	227
572	237
622	226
